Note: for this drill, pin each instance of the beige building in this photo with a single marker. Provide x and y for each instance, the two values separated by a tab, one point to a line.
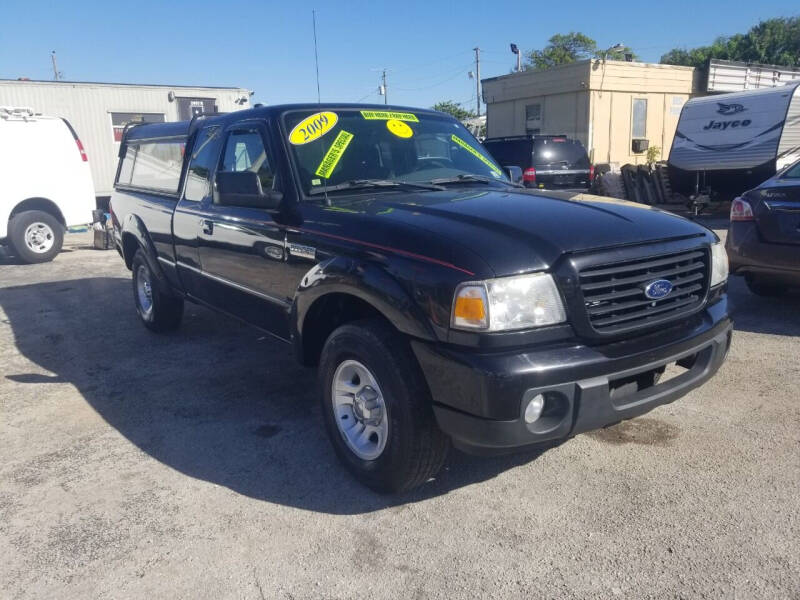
605	104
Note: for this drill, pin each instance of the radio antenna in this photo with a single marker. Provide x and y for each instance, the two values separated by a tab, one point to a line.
316	56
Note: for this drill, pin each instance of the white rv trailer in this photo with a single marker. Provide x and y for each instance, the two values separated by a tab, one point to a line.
737	139
100	111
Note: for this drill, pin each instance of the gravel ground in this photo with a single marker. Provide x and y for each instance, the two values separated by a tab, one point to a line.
195	465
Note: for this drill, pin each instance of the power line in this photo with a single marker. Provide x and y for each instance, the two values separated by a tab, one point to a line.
429	63
460	71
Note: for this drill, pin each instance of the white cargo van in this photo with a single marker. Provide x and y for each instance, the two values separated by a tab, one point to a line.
45	183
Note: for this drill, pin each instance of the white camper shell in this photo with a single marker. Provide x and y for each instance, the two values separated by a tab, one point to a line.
756	129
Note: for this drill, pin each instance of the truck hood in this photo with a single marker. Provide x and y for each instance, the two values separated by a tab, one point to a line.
516	231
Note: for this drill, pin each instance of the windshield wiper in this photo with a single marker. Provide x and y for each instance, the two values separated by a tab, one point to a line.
470	178
356	184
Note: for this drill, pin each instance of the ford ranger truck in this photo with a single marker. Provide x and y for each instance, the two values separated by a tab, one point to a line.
442	303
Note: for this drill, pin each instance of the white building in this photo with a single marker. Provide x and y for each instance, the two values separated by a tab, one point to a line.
99	111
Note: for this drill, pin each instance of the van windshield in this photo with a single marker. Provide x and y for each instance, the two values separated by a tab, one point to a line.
334	147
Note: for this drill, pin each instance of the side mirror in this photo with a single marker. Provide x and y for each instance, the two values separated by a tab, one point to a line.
514	173
243	188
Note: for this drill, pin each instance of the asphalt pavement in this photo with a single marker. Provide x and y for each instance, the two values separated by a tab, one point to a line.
195	465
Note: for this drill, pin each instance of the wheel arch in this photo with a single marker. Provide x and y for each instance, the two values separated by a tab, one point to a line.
39	203
339	292
134	237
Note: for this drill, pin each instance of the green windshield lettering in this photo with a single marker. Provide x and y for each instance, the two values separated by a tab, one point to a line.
476	154
334	154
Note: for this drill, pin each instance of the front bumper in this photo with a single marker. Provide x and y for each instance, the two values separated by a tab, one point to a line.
749	253
480	399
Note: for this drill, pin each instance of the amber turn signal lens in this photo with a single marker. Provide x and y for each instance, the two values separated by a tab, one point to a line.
471	309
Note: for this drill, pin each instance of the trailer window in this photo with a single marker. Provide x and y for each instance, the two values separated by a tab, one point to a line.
639	118
154	165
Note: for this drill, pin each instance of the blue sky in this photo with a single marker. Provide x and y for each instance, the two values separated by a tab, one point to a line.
267	47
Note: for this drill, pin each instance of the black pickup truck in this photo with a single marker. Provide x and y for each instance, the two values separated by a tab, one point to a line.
441	302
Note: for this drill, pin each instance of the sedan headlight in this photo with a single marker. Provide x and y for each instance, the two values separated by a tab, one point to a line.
719	264
508	303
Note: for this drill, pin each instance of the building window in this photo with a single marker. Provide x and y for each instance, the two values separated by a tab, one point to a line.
533	112
119	120
639	118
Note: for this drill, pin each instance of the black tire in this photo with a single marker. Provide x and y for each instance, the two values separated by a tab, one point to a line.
164	312
45	232
415	448
762	287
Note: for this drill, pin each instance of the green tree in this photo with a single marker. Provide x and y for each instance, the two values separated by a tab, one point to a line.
565	48
774	41
454	108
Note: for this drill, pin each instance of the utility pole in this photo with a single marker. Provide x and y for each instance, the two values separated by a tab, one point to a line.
56	75
385	93
478	78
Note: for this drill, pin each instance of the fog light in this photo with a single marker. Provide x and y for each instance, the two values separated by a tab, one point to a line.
534	409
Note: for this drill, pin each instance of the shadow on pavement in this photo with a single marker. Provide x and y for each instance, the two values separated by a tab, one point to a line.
217	400
759	314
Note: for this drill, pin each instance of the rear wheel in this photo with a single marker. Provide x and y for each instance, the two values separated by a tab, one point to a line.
763	287
158	310
35	236
377	408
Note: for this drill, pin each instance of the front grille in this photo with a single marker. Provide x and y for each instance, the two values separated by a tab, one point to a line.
614	293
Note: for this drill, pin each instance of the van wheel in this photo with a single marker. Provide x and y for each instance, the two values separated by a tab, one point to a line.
158	310
377	408
760	287
35	236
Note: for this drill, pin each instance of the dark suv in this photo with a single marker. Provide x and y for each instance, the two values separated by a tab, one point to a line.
547	161
440	302
764	234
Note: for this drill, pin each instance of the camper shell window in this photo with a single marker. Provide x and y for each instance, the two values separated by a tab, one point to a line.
153	164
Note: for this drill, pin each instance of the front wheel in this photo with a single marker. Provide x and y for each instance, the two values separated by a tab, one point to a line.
35	236
158	310
377	408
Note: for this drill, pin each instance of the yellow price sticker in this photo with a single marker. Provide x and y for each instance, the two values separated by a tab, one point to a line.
313	127
476	154
385	115
399	128
334	153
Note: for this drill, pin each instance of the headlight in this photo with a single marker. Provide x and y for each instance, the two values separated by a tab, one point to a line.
508	303
719	264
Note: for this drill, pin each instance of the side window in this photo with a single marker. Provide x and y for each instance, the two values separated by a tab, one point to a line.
245	151
126	168
154	165
201	165
793	173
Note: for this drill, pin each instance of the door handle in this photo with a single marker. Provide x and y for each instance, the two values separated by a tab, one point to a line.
208	226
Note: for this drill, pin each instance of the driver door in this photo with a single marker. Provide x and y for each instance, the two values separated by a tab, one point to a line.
242	249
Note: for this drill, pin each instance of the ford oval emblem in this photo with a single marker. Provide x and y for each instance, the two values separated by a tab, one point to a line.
660	288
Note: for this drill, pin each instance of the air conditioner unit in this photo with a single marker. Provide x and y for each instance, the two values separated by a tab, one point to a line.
639	145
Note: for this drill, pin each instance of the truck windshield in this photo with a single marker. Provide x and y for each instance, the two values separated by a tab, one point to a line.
347	149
